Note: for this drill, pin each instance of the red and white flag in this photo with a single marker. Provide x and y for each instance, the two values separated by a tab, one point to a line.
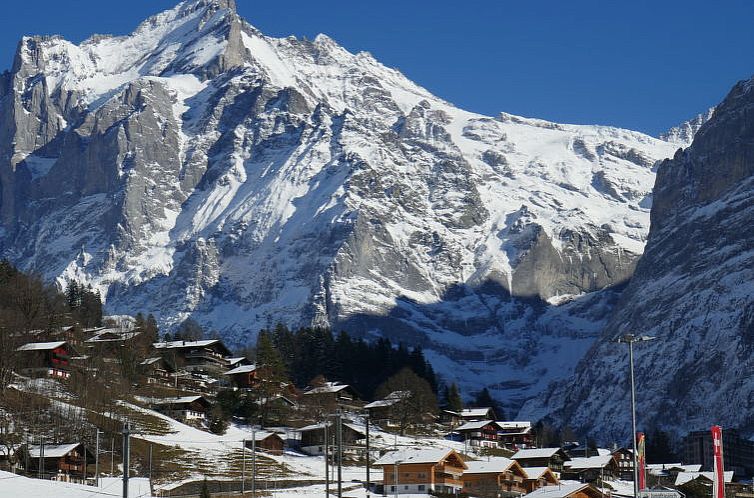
641	457
718	485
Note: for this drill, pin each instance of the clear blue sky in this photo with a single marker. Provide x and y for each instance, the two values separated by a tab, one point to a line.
644	65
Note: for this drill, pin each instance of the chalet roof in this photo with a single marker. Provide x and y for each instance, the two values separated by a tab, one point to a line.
474	412
535	453
561	490
190	344
684	477
52	450
321	425
536	472
41	346
261	436
389	400
113	335
470	426
234	361
151	361
242	369
514	425
416	456
329	387
491	466
180	400
595	462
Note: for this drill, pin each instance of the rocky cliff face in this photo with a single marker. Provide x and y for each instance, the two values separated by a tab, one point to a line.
693	290
197	168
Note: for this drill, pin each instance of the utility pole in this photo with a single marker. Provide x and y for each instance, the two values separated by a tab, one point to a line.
41	457
369	484
254	463
243	467
126	457
150	462
339	442
630	339
26	453
96	460
327	463
112	457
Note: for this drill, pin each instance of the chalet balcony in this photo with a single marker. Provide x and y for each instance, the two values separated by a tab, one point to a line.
446	479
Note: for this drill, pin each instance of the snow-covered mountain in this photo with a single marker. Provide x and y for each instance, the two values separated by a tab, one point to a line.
693	290
683	134
198	168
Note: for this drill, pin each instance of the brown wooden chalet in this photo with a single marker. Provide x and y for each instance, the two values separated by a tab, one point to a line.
625	459
184	409
269	442
542	457
108	342
483	433
58	461
538	477
312	437
244	376
46	359
497	476
516	435
329	395
380	411
422	471
158	370
590	469
477	414
203	357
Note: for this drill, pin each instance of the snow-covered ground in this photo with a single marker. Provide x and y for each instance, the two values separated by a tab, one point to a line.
12	485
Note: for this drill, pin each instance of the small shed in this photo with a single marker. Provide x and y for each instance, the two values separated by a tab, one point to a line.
270	442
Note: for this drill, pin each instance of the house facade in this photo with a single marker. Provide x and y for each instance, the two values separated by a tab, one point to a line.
208	357
422	471
591	469
482	434
539	477
516	435
499	477
312	437
63	462
184	409
46	359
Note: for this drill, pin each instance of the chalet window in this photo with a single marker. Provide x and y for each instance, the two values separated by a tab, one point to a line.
392	488
422	475
421	487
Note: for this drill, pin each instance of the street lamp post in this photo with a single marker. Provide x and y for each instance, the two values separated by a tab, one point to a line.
630	339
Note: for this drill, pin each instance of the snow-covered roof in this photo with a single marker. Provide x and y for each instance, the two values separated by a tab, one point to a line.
514	425
186	344
474	412
53	450
150	361
470	426
491	466
233	361
660	468
120	335
561	490
684	477
595	462
329	387
41	346
414	456
261	435
242	369
389	400
535	472
177	400
321	425
604	451
535	453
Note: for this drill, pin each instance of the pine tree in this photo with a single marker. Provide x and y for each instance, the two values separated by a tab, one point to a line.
452	398
484	399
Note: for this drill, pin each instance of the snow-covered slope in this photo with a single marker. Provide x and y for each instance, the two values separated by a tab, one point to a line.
693	290
197	168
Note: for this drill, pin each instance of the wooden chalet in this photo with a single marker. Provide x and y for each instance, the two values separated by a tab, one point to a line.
46	359
204	357
542	457
380	411
539	477
244	376
479	434
63	462
335	391
422	471
625	459
567	490
591	469
516	435
109	342
269	442
312	437
157	370
501	477
184	409
451	418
